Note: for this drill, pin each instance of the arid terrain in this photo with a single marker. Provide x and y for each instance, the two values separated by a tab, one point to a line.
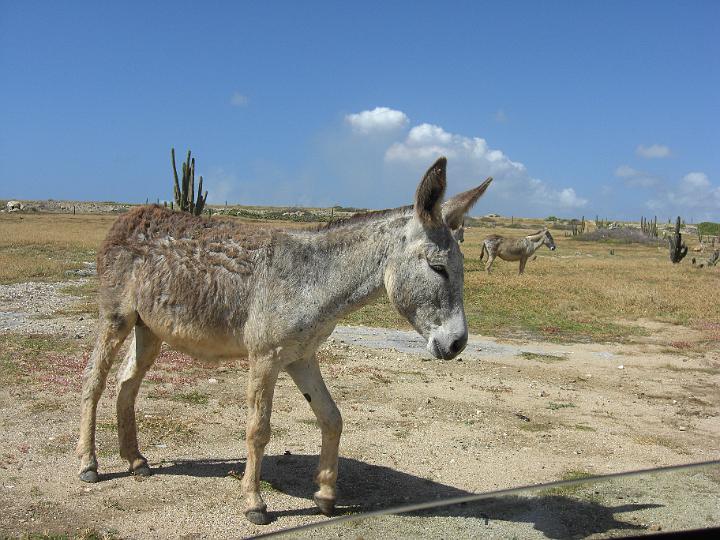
525	403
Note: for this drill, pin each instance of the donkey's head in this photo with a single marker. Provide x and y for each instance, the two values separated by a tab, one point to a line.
548	239
424	276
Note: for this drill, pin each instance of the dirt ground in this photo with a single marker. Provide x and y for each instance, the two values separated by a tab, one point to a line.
506	414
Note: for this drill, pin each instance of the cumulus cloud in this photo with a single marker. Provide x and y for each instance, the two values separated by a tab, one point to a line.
472	159
381	119
652	151
694	194
569	199
238	100
695	180
635	178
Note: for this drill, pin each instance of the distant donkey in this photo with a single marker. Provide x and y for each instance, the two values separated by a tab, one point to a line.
220	289
515	250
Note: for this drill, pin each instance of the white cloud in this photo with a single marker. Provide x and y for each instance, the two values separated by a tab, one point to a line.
635	178
238	100
569	199
378	119
694	196
694	180
501	117
472	159
625	171
653	151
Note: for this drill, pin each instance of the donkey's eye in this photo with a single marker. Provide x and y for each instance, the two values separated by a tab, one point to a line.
440	269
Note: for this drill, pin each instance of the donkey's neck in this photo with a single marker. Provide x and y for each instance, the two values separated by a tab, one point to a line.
340	268
535	241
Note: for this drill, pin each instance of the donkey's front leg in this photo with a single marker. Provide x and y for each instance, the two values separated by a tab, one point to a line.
307	377
523	262
261	386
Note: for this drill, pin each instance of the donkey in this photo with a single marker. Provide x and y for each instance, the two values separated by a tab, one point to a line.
219	289
515	250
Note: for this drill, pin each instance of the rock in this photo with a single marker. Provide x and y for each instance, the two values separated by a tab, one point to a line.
14	206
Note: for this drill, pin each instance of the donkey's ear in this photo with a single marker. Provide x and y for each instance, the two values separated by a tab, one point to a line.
454	210
430	191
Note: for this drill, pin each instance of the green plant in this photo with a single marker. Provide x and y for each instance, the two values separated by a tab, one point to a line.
185	191
678	249
709	228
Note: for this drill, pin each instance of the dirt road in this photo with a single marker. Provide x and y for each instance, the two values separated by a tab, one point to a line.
505	414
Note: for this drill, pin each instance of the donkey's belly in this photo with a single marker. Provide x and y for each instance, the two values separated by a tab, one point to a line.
207	349
510	257
202	341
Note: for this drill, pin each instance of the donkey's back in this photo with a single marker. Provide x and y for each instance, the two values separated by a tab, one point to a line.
187	278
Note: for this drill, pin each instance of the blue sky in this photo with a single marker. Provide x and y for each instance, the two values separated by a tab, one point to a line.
576	108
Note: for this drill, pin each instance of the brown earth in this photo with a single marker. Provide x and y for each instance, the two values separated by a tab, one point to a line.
508	413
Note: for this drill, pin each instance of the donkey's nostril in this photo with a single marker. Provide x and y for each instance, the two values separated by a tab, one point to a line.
458	345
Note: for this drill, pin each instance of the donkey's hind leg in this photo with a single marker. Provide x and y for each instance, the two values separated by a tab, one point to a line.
141	354
491	260
261	387
307	377
113	331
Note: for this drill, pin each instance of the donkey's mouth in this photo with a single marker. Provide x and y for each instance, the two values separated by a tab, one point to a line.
433	349
439	353
552	248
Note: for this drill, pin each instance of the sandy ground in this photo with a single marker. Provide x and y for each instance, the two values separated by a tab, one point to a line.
506	414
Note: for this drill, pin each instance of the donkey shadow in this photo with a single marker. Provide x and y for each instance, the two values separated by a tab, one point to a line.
363	487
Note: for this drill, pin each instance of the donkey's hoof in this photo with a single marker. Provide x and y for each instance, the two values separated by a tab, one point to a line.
90	476
142	470
326	506
258	517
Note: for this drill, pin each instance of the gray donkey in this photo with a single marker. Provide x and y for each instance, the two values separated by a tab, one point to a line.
515	250
219	289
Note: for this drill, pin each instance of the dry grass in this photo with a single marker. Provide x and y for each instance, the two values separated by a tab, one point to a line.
42	247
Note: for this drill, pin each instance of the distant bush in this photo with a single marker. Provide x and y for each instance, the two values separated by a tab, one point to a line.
709	228
551	218
348	209
618	236
292	215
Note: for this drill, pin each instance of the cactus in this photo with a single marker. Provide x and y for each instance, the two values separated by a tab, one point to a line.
678	249
184	193
649	228
578	227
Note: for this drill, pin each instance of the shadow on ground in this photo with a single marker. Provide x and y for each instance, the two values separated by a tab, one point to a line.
363	487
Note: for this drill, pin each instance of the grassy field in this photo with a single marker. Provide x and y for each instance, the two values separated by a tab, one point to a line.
583	291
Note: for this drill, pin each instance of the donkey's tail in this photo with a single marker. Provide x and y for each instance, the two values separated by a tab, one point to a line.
483	250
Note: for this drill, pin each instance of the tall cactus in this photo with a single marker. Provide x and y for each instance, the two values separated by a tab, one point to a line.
185	191
678	249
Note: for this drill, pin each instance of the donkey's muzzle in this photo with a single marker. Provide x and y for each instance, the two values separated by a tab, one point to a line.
447	346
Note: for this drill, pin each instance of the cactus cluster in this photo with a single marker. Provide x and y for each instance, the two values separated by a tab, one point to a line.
678	249
649	227
185	191
578	227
